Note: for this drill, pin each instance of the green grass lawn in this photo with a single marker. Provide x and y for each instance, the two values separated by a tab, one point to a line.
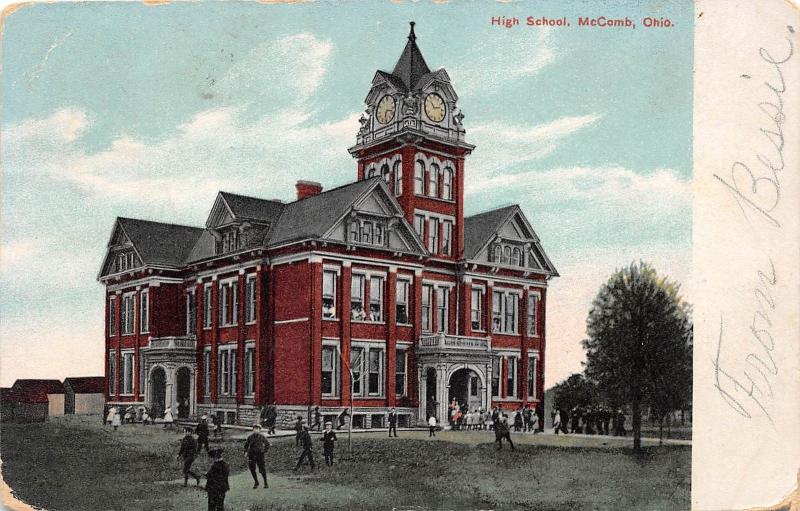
76	464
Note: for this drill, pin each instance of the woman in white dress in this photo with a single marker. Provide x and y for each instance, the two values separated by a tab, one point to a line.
115	419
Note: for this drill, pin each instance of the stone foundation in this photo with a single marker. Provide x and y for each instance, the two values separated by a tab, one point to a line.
364	417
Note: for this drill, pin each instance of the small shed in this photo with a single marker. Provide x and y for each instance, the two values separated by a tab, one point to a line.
84	395
23	405
53	391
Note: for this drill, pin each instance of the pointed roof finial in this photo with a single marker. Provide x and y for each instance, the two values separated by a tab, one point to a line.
411	35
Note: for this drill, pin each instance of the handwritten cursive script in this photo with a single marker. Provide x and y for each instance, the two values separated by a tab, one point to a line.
758	194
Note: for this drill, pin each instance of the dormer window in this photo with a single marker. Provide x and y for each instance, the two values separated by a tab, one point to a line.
231	239
507	254
368	232
125	261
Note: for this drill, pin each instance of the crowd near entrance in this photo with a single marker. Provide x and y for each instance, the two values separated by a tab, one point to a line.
465	387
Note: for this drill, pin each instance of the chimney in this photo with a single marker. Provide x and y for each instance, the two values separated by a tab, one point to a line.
307	189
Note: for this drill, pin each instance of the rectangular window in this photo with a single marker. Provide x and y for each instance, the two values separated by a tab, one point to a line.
476	310
401	302
510	325
207	306
366	232
401	364
419	225
376	299
533	302
375	372
419	177
379	235
112	371
127	373
329	294
127	314
425	309
511	377
191	313
144	312
497	311
433	235
442	309
433	181
356	362
447	237
249	370
357	311
227	371
330	373
250	300
229	303
532	377
207	371
224	369
496	376
112	316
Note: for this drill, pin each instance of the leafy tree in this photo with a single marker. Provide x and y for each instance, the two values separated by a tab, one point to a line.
639	343
572	392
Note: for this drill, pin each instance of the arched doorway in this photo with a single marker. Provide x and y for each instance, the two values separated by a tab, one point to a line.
465	387
184	389
158	391
430	392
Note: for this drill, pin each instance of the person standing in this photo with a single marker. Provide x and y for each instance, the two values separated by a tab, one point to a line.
317	419
215	419
202	433
270	417
255	447
392	422
217	481
298	431
527	419
187	453
556	423
305	439
328	439
503	432
115	420
431	426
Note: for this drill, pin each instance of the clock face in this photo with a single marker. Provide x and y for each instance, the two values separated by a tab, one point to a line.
434	107
385	112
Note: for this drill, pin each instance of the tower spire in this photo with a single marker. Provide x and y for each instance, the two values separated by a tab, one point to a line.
411	35
411	65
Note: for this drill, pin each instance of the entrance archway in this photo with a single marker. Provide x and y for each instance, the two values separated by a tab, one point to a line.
184	389
158	392
430	392
465	387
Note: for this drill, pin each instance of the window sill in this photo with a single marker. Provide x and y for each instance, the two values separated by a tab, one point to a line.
330	397
407	325
424	196
229	325
330	319
249	323
365	322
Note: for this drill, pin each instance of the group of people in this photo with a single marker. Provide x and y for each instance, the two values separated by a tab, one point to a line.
524	419
255	449
592	420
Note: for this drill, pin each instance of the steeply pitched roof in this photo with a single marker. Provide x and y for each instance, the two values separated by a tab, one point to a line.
411	65
87	384
314	216
159	243
34	386
253	208
478	228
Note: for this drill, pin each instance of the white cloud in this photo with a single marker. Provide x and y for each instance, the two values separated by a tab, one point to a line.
15	252
504	145
499	61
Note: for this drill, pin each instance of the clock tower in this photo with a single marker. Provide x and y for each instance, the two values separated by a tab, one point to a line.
412	136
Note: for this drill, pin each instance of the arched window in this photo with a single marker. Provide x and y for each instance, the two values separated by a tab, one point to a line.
419	177
372	172
516	255
385	173
398	177
498	253
433	180
447	184
506	254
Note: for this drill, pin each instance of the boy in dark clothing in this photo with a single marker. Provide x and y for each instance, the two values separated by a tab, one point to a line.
502	431
202	433
305	439
187	453
255	447
270	417
317	419
217	481
298	428
392	422
328	439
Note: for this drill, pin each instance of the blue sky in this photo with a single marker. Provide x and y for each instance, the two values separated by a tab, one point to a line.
113	109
